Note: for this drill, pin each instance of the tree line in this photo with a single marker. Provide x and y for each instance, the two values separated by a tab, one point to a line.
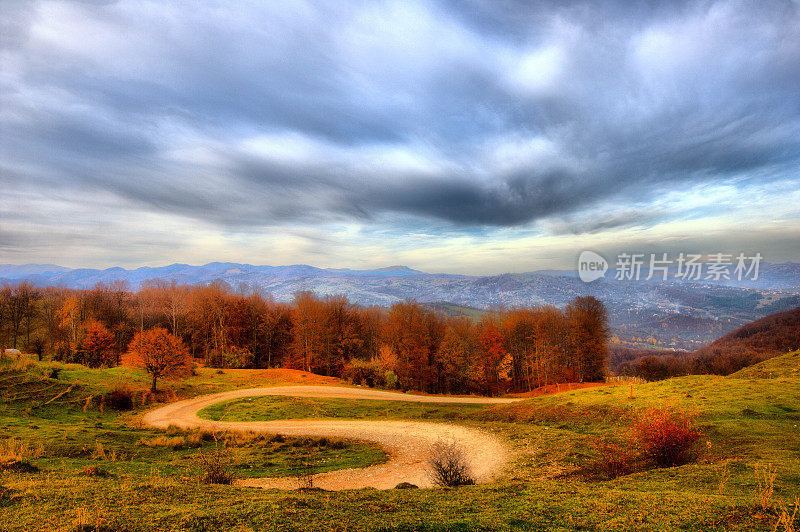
750	344
407	346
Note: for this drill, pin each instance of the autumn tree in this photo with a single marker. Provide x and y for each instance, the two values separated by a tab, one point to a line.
588	322
414	333
274	333
519	330
494	361
456	356
20	309
160	353
97	346
327	333
550	346
69	316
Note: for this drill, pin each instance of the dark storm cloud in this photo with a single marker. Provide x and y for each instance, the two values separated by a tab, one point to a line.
479	113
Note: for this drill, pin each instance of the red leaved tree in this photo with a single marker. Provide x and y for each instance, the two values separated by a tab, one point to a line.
160	353
97	347
494	359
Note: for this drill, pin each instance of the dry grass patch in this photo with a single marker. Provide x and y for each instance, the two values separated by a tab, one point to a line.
16	454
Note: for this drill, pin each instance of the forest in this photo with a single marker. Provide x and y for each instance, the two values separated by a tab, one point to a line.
407	346
750	344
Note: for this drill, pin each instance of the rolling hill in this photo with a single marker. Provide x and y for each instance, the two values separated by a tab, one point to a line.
763	339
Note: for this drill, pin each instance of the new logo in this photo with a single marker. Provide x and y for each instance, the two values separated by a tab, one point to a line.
591	266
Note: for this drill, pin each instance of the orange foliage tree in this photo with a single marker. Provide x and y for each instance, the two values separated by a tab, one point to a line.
97	347
160	353
494	360
588	321
414	333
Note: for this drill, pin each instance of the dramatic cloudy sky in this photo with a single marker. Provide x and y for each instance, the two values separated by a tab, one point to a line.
465	136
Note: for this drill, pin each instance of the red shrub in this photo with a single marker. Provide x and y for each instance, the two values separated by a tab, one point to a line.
615	459
666	435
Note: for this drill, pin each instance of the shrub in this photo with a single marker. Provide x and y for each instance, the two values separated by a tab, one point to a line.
100	452
448	467
231	357
303	465
17	466
198	437
766	485
364	372
173	430
176	443
338	444
666	435
390	378
13	364
615	459
119	399
216	467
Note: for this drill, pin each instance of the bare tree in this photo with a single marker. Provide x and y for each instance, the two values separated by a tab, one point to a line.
448	466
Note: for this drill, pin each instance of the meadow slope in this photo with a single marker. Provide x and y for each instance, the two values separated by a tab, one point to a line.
107	470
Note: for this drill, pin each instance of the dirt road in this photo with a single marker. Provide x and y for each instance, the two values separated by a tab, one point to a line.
407	442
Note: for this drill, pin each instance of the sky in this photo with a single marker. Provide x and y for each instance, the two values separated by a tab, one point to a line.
465	136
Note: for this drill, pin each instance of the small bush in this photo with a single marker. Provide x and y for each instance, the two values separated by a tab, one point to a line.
406	486
766	485
216	467
364	372
174	430
338	444
119	399
197	438
303	465
666	435
101	453
615	459
15	456
448	467
174	443
390	378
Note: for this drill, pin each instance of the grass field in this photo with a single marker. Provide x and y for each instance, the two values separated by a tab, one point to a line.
270	408
750	425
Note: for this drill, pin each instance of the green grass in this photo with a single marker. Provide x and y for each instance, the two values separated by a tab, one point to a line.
749	419
269	408
786	366
69	436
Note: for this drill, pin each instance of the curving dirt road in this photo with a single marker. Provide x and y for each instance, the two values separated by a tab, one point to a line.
407	442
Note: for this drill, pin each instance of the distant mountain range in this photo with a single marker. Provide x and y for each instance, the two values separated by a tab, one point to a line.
662	313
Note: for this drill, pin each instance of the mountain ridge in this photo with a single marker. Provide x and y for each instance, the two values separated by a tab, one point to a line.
671	313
